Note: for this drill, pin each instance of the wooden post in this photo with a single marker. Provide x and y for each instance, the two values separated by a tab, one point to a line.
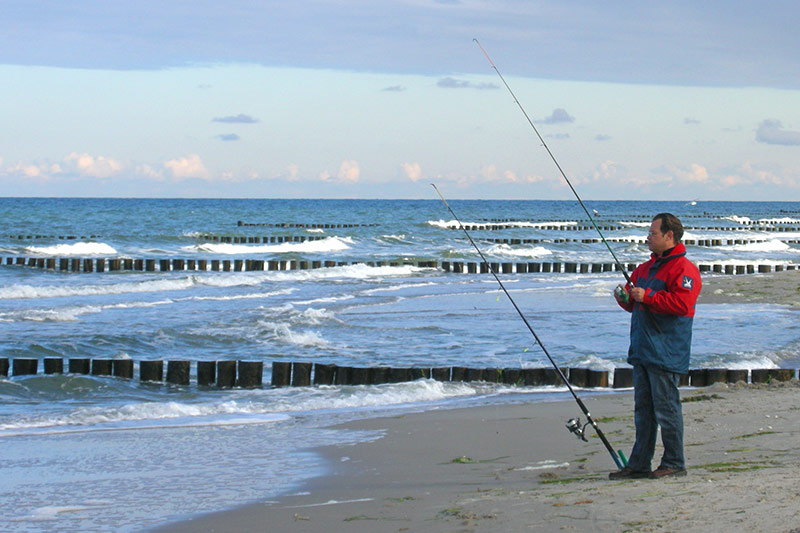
398	375
251	374
25	367
735	376
598	378
343	375
716	375
79	366
122	368
207	373
512	376
441	373
698	377
474	374
459	373
781	374
492	375
4	366
101	367
53	365
226	374
323	374
301	374
178	372
151	371
533	377
378	375
579	377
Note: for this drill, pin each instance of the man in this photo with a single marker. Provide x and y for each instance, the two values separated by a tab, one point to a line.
662	301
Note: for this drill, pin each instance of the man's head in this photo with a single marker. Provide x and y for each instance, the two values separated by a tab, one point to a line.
666	231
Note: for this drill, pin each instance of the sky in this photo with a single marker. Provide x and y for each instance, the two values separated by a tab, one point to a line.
680	100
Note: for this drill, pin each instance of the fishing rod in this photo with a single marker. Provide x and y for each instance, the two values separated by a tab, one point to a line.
574	424
564	175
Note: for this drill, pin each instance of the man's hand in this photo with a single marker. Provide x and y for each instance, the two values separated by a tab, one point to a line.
637	294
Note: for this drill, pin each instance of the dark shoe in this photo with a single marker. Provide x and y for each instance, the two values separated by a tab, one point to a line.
665	471
628	473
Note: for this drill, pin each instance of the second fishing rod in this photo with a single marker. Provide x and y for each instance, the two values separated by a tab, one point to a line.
574	424
620	267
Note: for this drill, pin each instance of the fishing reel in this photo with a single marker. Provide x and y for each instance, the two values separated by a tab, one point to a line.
574	426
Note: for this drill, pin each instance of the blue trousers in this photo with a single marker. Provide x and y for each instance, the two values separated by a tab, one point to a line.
656	403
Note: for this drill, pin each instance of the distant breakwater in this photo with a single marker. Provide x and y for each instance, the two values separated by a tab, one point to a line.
102	264
250	374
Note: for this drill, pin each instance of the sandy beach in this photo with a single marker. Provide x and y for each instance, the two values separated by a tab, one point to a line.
516	468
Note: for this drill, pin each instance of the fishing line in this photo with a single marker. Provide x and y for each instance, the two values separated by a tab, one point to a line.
574	424
564	175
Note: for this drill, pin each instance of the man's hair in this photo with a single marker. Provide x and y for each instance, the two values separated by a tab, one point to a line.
670	222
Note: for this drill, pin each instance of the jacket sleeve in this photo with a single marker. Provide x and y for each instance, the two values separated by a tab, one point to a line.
680	295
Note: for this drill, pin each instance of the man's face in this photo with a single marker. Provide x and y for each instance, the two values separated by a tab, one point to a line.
659	242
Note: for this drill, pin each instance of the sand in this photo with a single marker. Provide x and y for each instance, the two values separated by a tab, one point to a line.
517	468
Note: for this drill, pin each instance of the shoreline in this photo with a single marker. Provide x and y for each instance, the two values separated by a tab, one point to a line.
515	467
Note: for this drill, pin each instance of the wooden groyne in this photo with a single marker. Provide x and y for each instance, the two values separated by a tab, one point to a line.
117	264
250	374
259	239
302	225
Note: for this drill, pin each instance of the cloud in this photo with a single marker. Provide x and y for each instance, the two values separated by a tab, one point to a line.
394	89
349	172
559	116
95	167
292	172
691	121
187	167
602	137
228	137
452	83
771	131
413	171
558	136
236	119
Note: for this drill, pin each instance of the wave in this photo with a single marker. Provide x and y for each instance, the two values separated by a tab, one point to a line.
359	271
505	249
768	246
329	244
453	224
78	248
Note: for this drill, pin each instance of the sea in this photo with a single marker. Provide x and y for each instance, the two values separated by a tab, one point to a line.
91	453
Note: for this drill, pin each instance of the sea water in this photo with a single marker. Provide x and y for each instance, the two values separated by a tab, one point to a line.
98	454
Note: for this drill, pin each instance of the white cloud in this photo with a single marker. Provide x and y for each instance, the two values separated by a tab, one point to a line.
413	171
349	171
149	172
95	167
187	167
293	172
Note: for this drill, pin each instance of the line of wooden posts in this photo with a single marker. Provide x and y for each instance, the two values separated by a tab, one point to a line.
250	374
74	264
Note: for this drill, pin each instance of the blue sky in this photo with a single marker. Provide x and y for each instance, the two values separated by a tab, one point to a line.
377	99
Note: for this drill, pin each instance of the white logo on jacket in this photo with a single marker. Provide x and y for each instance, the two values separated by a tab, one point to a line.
688	283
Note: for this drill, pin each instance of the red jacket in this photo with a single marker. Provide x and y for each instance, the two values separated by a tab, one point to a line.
672	285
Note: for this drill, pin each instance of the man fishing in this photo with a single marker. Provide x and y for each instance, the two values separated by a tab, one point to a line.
666	288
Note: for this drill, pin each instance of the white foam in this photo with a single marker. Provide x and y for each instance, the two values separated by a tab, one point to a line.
768	246
453	224
329	244
78	248
505	249
145	415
